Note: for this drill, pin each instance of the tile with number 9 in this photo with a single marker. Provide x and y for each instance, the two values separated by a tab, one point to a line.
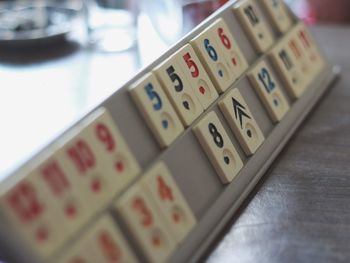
218	146
155	107
169	200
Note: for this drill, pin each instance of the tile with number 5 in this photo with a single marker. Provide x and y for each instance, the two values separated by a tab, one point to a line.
218	146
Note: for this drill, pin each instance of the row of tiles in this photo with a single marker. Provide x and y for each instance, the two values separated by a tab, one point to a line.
39	203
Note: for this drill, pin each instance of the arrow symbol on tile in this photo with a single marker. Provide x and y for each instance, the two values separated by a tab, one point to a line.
239	111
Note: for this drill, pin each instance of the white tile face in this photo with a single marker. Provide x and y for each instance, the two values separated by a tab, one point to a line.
179	90
218	147
213	59
268	88
229	47
155	107
241	121
309	45
33	215
108	244
169	200
284	64
81	252
146	224
197	76
277	11
254	25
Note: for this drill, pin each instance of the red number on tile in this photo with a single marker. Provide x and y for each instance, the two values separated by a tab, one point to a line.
191	64
224	39
146	216
164	190
82	156
105	136
55	178
110	248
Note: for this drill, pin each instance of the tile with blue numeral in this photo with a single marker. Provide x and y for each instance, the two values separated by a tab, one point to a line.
269	90
170	201
254	24
179	90
196	75
278	13
241	121
218	146
213	59
156	108
229	47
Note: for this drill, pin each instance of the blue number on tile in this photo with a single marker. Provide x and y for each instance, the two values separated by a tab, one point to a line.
153	96
265	78
211	51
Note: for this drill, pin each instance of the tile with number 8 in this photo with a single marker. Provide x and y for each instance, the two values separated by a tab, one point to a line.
254	24
179	90
197	76
278	13
268	88
146	224
169	200
213	60
155	107
218	147
241	121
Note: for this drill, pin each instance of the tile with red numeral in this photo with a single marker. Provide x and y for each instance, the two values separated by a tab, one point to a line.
197	76
269	90
107	242
218	146
314	54
169	200
146	223
229	47
290	72
241	121
213	60
279	15
256	28
157	110
179	90
32	214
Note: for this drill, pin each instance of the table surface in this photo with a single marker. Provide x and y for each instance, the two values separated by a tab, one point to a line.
299	212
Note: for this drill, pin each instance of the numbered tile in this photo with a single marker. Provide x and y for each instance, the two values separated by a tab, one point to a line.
256	28
179	90
278	13
169	200
33	215
229	47
146	224
156	109
292	76
108	244
311	48
213	59
81	252
268	88
197	76
241	121
218	147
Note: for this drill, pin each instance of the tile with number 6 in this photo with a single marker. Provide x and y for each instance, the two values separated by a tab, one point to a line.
241	121
169	200
268	88
155	107
218	146
197	76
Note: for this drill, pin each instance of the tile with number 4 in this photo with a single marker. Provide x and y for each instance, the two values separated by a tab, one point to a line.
155	107
278	13
179	90
169	200
268	88
197	76
146	224
241	121
229	47
218	146
213	59
107	242
255	26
